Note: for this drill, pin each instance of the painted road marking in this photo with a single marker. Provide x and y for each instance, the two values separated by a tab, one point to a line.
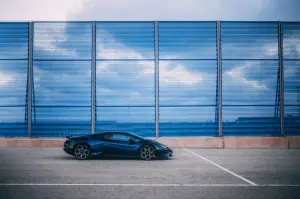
232	173
151	185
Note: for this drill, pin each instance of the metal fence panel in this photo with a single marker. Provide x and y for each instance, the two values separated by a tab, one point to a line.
291	63
125	40
250	73
187	40
125	79
61	41
61	79
187	78
13	78
125	88
249	40
14	40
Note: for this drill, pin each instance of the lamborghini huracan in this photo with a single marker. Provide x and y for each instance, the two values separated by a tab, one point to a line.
122	144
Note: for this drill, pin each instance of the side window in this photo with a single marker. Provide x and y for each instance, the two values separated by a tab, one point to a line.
136	139
107	136
96	136
119	137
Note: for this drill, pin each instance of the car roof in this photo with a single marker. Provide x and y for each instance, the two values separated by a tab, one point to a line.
121	132
106	132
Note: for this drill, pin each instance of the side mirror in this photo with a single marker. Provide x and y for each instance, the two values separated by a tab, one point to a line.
131	141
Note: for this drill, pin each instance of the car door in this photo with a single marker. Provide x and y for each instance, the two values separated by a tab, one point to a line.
108	145
120	145
100	143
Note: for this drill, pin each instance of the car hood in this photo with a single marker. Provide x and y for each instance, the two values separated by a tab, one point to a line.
156	143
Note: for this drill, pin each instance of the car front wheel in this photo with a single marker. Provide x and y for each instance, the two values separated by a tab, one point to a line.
147	152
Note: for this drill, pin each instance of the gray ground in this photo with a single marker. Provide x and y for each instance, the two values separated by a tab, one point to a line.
276	174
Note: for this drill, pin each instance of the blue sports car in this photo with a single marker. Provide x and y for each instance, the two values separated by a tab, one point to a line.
123	144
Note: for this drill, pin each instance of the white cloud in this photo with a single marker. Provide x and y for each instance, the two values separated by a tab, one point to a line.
237	75
272	49
29	10
49	37
37	10
291	44
6	78
178	74
169	73
172	10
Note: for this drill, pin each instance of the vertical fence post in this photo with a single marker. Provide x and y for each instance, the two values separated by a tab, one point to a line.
219	61
156	54
281	78
29	85
93	76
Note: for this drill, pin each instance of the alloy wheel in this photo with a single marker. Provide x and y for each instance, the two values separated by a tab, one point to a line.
81	152
147	152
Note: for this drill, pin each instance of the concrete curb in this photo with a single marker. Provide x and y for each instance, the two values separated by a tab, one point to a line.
189	142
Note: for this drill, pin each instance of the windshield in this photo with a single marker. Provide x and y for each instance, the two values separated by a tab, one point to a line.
137	136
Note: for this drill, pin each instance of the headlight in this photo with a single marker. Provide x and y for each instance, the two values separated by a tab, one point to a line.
163	146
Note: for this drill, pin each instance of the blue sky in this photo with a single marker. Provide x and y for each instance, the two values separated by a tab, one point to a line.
131	83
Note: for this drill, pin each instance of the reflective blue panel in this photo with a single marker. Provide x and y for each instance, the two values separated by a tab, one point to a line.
292	120
187	82
125	83
13	85
13	82
188	121
12	122
183	84
249	40
292	97
250	121
60	121
125	40
291	40
62	40
62	83
58	84
187	40
14	40
249	82
291	82
140	120
12	114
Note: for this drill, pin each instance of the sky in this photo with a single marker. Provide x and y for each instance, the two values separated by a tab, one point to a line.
125	67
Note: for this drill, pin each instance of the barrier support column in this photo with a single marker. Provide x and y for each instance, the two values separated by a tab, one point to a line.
156	54
281	79
29	84
93	77
219	61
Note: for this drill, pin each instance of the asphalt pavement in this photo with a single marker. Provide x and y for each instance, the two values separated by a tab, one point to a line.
191	173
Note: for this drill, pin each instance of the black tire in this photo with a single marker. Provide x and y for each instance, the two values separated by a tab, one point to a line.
147	152
82	151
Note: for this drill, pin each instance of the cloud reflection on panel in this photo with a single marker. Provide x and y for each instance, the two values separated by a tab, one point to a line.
132	82
13	71
135	77
62	71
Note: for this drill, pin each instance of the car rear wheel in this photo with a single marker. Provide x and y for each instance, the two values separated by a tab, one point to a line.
82	151
147	152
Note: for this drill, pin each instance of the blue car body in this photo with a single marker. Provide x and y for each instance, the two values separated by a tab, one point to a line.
122	144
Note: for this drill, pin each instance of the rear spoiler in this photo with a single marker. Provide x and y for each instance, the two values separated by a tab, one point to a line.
69	136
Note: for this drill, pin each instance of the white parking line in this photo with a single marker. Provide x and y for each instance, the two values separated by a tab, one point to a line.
232	173
151	185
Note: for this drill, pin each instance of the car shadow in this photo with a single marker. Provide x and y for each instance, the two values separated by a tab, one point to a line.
66	157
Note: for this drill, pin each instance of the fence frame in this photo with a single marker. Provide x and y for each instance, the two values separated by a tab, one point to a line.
219	91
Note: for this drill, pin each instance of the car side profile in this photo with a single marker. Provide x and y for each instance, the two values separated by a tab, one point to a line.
122	144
